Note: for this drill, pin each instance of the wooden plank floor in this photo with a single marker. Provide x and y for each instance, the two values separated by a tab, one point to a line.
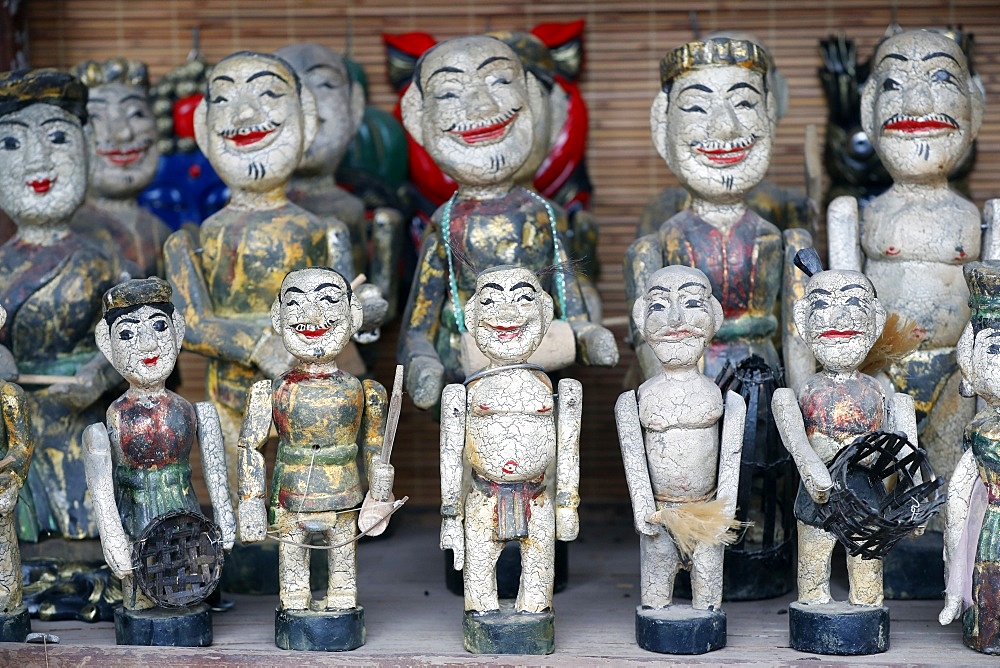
413	620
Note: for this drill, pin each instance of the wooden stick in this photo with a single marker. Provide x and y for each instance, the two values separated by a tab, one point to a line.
395	407
43	379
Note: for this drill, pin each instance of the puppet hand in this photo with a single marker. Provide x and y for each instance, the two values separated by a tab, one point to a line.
79	394
453	538
252	520
645	525
597	345
375	306
567	524
952	609
425	380
271	357
380	481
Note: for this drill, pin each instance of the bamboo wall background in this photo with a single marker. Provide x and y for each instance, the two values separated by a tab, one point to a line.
624	42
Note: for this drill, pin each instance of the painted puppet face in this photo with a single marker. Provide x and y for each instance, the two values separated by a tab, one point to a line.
839	318
316	315
255	127
718	131
124	157
984	371
326	76
917	106
145	344
508	314
678	315
476	121
43	164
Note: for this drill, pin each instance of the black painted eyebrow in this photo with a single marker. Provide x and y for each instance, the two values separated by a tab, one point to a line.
523	284
267	73
20	123
223	77
327	285
444	70
319	66
940	54
742	84
854	286
894	56
492	59
698	86
124	319
495	286
292	288
56	120
692	284
819	291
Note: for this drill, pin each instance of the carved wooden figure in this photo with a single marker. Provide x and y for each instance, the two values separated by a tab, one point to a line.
51	281
138	466
340	106
840	319
123	161
506	424
682	477
319	412
976	479
921	109
17	442
472	106
254	125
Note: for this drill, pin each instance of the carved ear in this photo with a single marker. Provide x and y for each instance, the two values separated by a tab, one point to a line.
963	352
3	316
310	123
471	312
276	316
357	103
717	316
658	124
868	109
977	97
800	314
103	335
200	120
639	313
180	328
880	317
412	108
537	100
548	311
357	313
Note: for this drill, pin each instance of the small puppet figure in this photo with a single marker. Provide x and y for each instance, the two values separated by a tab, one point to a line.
123	161
320	412
472	106
921	107
254	125
682	478
506	424
340	107
138	465
840	319
16	443
976	479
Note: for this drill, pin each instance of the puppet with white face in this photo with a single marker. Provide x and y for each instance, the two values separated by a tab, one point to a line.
522	444
138	464
321	414
682	473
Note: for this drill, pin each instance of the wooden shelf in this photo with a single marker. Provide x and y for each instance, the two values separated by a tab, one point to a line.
413	620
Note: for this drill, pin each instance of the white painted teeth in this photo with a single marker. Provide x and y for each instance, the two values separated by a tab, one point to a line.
730	145
307	328
475	125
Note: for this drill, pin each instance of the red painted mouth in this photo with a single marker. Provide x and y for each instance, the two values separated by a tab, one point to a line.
913	126
507	333
510	466
41	185
726	156
840	334
249	137
151	361
314	333
123	158
487	133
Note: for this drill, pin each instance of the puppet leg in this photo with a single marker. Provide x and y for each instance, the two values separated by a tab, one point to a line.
538	558
815	552
342	591
481	553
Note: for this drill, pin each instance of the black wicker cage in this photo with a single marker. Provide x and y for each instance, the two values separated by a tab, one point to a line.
177	560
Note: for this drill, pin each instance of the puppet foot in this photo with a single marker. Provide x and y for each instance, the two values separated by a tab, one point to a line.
680	629
838	628
172	627
320	631
506	631
15	625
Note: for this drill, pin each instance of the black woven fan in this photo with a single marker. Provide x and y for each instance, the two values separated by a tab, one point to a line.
178	559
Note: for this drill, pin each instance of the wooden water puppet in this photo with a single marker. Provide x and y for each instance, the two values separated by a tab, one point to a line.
521	443
682	468
168	556
321	414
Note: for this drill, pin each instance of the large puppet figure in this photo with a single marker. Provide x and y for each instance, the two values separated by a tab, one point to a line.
921	109
472	107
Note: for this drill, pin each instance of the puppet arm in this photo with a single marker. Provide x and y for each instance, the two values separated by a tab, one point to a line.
453	415
253	435
213	465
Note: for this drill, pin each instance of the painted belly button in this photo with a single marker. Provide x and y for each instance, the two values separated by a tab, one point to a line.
892	250
510	466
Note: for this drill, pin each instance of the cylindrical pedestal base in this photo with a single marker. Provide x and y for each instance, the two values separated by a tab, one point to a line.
838	628
680	629
320	631
914	568
15	626
171	627
508	632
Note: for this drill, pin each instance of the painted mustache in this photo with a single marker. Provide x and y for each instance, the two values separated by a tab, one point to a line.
915	124
487	130
122	156
727	152
250	135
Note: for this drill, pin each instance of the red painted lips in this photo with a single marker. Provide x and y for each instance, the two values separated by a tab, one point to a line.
123	158
839	334
41	185
249	137
486	133
507	333
151	361
315	333
920	125
726	156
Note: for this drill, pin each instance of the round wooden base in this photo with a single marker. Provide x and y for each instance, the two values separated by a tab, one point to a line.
680	629
15	626
171	627
509	632
320	631
914	568
838	628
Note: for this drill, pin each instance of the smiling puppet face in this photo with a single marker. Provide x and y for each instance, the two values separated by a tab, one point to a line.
254	123
125	156
508	314
678	315
472	108
920	107
840	318
316	314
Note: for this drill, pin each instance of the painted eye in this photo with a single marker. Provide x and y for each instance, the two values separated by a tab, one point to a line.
125	335
58	137
526	298
219	99
695	303
329	299
656	307
993	349
138	113
9	144
501	80
694	108
746	104
890	84
292	302
820	304
485	302
944	76
272	94
446	96
160	325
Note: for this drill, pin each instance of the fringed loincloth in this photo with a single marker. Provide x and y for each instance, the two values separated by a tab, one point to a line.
697	521
510	519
